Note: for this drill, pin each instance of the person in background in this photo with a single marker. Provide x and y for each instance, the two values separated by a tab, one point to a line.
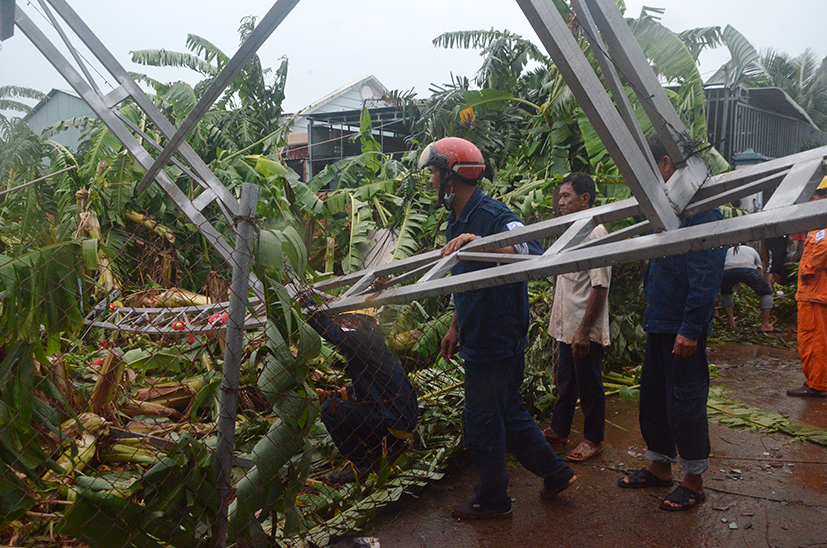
812	310
743	265
580	323
490	328
776	272
377	413
674	385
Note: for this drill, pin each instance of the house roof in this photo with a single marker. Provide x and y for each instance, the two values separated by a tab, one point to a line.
357	84
45	101
777	100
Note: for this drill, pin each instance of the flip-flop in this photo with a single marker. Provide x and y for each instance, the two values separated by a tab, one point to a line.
686	498
643	478
584	452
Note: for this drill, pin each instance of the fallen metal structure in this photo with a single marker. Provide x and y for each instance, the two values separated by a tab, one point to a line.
691	190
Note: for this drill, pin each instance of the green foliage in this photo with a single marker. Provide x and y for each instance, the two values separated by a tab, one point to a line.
735	414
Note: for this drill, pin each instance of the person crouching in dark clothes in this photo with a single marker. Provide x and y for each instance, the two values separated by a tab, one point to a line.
378	412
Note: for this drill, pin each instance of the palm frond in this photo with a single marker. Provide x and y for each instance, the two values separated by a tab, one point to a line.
361	222
674	62
203	47
166	58
744	63
409	231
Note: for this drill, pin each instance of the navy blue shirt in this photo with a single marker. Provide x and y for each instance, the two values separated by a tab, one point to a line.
493	322
376	373
681	289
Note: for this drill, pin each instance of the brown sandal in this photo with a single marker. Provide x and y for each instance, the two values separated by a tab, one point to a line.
554	438
584	452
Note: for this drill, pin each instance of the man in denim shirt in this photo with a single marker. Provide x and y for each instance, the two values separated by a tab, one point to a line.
490	327
674	385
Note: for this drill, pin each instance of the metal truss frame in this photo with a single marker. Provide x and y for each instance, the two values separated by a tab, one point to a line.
105	106
691	189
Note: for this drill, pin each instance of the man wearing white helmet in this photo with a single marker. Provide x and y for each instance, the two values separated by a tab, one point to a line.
489	329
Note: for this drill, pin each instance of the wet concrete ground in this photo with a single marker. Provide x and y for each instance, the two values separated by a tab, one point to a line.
763	489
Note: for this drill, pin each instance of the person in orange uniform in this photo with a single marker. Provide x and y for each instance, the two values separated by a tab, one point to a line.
812	310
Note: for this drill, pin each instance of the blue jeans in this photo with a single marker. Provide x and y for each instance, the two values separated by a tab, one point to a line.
580	377
673	395
495	419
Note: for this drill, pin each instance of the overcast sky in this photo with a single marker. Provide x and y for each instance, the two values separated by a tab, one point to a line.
330	43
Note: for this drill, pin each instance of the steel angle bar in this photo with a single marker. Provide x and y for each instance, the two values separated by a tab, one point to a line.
601	112
606	213
75	55
366	281
624	106
499	258
686	181
257	37
636	229
757	226
737	178
401	266
115	97
441	268
95	102
799	184
545	229
767	183
149	140
403	278
91	41
634	66
6	19
577	232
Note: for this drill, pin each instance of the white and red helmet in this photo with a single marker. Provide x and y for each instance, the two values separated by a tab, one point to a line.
456	155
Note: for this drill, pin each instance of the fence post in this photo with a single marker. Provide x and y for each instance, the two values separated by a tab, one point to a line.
241	259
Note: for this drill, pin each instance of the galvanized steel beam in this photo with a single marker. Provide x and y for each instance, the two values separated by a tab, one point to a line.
228	202
758	226
584	84
254	41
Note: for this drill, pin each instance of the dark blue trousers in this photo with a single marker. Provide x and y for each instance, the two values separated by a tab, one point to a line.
673	396
581	377
360	430
496	420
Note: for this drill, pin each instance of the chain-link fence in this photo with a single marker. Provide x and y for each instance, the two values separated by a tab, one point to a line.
137	409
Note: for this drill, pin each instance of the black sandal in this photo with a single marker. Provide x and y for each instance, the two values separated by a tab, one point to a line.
643	478
686	498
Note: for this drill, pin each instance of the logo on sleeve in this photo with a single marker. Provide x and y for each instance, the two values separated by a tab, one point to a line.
514	224
818	237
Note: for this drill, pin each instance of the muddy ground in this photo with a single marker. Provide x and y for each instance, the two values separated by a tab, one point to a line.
763	490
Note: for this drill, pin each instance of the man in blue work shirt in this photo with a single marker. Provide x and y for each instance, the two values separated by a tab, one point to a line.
490	326
674	384
378	412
